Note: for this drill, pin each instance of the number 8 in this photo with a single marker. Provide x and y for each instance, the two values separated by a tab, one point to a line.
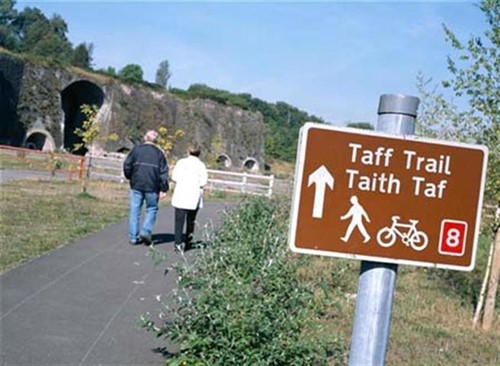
453	238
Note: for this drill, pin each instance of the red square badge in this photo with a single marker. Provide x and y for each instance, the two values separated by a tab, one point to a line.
452	238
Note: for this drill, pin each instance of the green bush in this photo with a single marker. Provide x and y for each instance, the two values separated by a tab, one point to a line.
242	302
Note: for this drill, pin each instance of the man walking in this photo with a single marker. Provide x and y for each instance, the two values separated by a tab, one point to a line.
189	175
147	170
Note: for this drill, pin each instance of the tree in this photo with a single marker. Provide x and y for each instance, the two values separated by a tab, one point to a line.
29	26
40	36
166	141
82	55
88	133
131	72
475	77
163	74
8	15
439	117
110	70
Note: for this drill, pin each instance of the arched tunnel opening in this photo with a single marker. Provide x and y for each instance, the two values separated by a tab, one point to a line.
11	130
39	140
224	161
72	98
251	165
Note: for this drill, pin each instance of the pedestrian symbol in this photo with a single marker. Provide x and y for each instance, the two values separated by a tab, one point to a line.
356	213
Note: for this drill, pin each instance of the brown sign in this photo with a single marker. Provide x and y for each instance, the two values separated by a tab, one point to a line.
382	198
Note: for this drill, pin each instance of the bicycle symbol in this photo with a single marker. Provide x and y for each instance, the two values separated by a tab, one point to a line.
410	236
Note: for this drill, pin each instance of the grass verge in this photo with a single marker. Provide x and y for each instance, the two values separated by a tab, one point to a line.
40	215
430	325
433	327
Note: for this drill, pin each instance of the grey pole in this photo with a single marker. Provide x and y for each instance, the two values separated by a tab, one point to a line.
377	281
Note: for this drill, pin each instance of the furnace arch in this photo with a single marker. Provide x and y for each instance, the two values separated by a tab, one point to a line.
251	164
39	139
72	98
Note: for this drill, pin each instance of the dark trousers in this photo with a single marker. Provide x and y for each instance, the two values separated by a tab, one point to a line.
181	216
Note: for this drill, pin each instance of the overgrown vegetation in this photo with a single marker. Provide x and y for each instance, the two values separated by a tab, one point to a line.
248	301
432	327
466	285
243	303
51	162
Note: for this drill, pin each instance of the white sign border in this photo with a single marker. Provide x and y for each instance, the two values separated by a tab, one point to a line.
299	172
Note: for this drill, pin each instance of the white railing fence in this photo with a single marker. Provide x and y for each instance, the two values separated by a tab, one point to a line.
106	168
111	168
245	183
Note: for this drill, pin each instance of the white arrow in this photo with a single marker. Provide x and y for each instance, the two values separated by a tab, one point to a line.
322	178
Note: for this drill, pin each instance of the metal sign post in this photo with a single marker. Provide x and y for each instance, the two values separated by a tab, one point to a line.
377	281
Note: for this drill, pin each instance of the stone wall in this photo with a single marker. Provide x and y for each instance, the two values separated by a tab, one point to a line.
40	108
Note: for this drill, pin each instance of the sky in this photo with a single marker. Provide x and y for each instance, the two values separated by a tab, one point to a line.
329	59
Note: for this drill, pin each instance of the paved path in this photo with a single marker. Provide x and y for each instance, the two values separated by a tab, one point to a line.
80	304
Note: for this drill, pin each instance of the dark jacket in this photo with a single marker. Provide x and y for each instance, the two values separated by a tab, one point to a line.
146	168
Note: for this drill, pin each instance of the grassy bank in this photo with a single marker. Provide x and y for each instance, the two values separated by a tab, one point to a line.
39	215
430	325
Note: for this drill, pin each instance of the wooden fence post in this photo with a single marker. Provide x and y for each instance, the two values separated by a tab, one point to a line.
81	167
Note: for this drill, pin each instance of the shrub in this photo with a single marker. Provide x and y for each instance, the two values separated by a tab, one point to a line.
242	303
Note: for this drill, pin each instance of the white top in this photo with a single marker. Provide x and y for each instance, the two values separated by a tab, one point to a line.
190	175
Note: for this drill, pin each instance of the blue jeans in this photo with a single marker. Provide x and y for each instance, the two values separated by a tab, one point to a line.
137	198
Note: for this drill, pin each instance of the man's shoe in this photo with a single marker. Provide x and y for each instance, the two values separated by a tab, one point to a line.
134	242
146	239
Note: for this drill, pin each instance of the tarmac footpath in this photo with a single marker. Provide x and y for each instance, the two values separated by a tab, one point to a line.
80	304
